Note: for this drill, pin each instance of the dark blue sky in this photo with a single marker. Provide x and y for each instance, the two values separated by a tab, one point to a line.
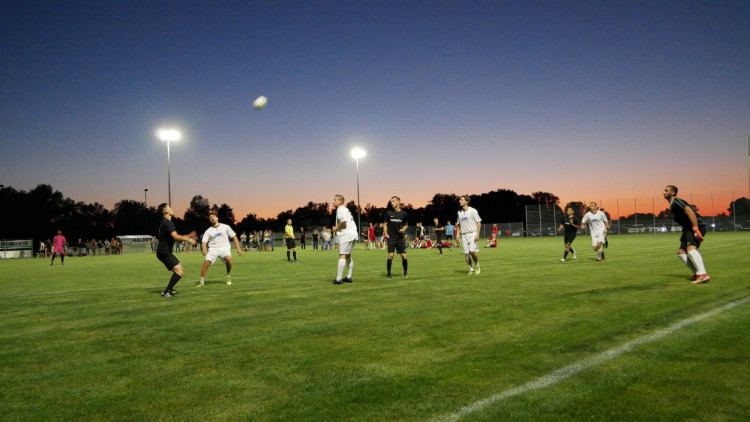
588	100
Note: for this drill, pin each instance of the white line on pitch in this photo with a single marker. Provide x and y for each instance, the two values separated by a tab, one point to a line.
583	364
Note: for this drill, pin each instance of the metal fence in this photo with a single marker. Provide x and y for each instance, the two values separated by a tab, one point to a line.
16	248
543	221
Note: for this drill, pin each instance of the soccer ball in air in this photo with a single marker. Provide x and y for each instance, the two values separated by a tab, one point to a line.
260	102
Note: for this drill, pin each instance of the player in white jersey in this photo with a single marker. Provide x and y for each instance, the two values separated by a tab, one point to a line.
468	228
598	224
346	231
217	239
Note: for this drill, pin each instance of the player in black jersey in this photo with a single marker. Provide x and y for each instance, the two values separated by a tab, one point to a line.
396	222
167	236
693	230
571	223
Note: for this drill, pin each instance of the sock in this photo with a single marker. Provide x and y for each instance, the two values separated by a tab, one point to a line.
471	268
203	279
295	255
406	265
340	269
172	281
390	262
697	259
287	256
572	251
600	252
566	255
688	262
350	262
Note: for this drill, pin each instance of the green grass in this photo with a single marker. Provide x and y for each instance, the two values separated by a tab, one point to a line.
93	340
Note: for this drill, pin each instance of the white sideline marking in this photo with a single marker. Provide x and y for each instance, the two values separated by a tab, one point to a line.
583	364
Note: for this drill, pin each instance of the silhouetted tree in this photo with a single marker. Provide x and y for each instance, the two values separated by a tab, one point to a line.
740	206
196	216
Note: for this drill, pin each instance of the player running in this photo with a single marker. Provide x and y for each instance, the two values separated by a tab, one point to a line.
217	239
571	225
598	224
693	230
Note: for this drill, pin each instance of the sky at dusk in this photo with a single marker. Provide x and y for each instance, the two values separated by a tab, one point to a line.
589	100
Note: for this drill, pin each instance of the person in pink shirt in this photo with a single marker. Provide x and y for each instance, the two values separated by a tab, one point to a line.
58	247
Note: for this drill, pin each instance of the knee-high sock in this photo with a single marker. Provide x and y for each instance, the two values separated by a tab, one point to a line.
697	259
688	262
406	265
350	263
172	281
600	252
340	268
390	263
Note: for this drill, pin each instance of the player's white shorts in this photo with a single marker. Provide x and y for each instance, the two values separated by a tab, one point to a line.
346	248
217	253
597	238
468	243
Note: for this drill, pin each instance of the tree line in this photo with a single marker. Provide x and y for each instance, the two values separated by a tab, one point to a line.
41	211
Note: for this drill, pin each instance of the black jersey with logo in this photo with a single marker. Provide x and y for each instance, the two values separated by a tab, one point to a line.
394	221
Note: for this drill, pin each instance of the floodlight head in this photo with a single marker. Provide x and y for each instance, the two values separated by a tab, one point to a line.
169	134
358	153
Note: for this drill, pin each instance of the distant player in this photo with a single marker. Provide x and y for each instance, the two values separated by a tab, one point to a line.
439	230
469	225
291	245
571	224
693	230
166	237
597	222
216	238
449	233
346	231
58	247
396	221
371	236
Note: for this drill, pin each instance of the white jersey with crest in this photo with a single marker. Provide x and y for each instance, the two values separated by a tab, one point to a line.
218	237
596	221
467	220
348	233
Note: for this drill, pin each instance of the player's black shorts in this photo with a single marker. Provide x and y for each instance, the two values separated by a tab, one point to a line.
168	259
569	238
688	238
449	237
290	243
398	245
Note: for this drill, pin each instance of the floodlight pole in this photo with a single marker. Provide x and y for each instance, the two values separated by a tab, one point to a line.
169	178
359	207
358	153
168	135
145	198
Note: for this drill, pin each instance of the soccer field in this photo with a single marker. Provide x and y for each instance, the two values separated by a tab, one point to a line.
530	338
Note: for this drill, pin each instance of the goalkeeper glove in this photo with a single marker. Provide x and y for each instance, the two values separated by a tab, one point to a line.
697	234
